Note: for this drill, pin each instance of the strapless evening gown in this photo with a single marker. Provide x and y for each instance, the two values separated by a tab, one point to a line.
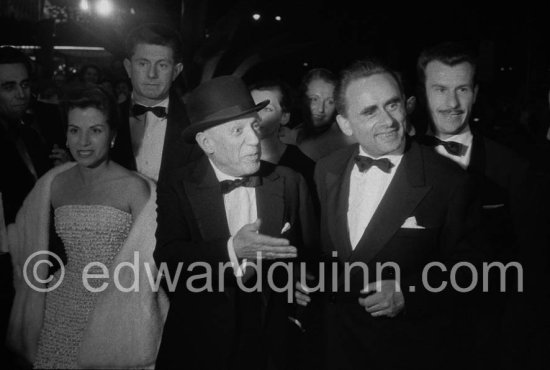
90	233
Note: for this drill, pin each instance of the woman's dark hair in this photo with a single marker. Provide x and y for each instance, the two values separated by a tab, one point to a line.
92	97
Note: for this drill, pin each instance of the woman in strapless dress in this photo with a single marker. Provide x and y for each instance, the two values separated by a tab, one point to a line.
104	214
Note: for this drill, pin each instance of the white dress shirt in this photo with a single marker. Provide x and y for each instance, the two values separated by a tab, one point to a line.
240	210
148	132
464	138
365	193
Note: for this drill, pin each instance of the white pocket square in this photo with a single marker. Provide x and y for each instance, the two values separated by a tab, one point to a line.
285	228
410	223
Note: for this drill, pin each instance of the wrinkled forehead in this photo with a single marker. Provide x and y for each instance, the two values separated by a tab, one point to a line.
442	73
225	128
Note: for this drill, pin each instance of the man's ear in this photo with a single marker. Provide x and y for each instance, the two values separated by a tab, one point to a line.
204	142
344	125
285	118
476	89
178	68
128	67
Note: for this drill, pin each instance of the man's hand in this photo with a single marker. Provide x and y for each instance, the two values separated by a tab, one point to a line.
59	155
387	299
247	242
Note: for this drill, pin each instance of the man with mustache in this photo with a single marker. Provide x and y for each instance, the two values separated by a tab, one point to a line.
225	208
388	200
510	192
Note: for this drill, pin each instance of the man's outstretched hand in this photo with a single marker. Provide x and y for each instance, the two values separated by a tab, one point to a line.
247	243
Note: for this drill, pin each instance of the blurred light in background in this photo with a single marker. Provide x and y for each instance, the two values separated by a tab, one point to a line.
104	7
84	5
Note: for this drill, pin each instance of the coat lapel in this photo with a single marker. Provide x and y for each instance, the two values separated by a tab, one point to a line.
206	200
175	150
122	152
338	183
270	204
405	192
477	158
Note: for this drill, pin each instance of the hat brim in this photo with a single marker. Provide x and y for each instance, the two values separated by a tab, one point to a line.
191	131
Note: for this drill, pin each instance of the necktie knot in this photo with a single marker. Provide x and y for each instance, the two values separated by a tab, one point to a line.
138	110
452	147
364	163
250	182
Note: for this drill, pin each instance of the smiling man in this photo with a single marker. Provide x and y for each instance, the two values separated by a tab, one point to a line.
149	139
225	208
510	190
388	199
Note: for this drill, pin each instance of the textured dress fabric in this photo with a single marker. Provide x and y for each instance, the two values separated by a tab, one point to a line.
90	233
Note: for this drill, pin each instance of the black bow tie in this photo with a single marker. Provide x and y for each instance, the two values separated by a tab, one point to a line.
249	182
364	163
452	147
138	110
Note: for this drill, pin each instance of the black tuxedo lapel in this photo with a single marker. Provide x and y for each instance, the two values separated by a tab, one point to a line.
206	200
175	151
477	157
270	205
122	152
406	190
337	199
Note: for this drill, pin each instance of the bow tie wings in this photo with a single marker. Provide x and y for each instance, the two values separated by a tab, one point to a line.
451	147
138	110
227	186
364	163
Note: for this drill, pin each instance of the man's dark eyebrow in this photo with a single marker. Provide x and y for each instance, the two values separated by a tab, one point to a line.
369	110
393	100
8	84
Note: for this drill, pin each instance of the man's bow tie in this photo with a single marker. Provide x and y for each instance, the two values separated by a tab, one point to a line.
249	182
452	147
138	110
364	163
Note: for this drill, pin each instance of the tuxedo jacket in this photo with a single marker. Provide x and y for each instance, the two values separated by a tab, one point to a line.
440	198
176	152
225	328
515	220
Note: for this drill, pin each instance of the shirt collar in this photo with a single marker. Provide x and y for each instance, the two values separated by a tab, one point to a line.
395	159
163	103
221	176
465	137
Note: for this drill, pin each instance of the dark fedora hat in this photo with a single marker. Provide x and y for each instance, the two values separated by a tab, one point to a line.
219	100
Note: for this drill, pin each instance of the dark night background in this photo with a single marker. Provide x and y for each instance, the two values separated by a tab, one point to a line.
512	41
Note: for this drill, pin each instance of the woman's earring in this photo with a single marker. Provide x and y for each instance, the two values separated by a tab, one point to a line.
112	143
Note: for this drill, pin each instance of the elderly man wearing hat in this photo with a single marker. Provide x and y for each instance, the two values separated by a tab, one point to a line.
226	210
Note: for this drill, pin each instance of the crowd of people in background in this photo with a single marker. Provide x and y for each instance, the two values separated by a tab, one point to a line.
96	168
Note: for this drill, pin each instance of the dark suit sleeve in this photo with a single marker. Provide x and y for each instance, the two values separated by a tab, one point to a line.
460	241
178	238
